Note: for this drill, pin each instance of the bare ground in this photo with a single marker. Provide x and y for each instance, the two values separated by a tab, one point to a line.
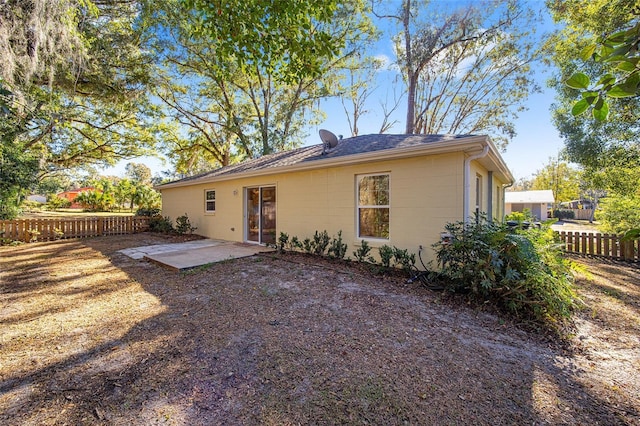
89	336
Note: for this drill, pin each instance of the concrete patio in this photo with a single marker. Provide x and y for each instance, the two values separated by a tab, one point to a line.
180	256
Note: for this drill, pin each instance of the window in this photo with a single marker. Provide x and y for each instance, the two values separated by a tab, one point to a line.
373	206
478	194
210	201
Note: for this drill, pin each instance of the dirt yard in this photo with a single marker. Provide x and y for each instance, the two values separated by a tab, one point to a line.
89	336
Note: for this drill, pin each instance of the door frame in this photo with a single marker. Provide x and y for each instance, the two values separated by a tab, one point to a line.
260	214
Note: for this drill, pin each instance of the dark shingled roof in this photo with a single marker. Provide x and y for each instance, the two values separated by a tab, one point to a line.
346	147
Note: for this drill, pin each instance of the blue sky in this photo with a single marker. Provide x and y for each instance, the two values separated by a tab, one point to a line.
536	140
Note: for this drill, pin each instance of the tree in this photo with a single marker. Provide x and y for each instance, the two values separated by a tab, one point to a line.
360	75
441	95
591	142
18	167
606	34
258	92
138	173
78	70
620	51
292	41
522	184
562	179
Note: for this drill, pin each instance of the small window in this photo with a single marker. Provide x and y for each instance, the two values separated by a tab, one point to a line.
373	206
478	193
210	201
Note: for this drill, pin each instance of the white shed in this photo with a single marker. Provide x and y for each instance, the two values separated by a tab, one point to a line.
538	202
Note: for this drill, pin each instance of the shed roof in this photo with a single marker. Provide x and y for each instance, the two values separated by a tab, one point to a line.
533	197
364	148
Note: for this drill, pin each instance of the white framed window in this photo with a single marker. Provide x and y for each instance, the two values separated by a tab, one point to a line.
210	201
373	206
478	193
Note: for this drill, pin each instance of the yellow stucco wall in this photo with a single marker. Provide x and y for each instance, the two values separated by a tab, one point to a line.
426	192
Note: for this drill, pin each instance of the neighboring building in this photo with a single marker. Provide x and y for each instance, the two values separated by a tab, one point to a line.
538	202
73	193
398	190
37	198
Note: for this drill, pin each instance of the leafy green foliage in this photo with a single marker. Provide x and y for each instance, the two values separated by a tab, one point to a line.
95	200
590	142
161	224
283	38
283	242
363	253
148	212
522	272
563	214
618	214
54	202
183	225
405	259
337	248
562	179
620	51
320	242
523	216
386	254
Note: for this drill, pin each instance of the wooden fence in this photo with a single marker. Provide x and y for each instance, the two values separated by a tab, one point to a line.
581	214
27	230
604	245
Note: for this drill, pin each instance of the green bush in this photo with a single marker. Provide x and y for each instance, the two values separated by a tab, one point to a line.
404	259
160	224
563	214
362	254
522	271
386	254
150	212
618	214
54	202
320	242
283	242
183	225
337	248
523	216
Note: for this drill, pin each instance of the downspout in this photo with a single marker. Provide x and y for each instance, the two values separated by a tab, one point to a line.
467	181
490	196
504	190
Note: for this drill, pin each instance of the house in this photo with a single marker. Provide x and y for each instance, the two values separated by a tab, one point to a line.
398	190
538	202
73	193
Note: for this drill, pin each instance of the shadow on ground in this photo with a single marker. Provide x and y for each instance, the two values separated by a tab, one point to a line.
90	336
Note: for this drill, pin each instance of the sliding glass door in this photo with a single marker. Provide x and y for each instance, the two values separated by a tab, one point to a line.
261	214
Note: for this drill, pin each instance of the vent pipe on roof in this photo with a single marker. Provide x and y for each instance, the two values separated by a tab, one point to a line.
467	182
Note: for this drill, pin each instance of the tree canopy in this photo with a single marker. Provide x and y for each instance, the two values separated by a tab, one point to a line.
466	70
593	143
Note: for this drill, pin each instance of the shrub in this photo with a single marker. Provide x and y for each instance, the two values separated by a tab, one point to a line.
618	214
295	244
362	253
307	245
320	242
337	249
564	214
160	224
150	212
183	225
523	216
403	258
522	271
386	254
54	202
283	242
